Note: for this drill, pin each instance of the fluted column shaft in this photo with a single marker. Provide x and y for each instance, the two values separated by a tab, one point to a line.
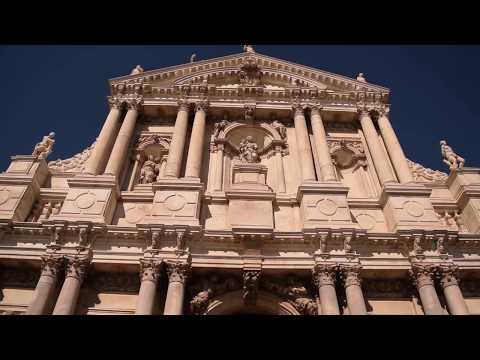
100	153
45	289
177	276
423	275
281	187
394	149
218	181
323	152
195	150
175	154
303	145
453	295
380	160
353	290
149	274
120	149
75	273
324	278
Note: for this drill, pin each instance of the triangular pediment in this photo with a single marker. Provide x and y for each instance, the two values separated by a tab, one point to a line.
226	73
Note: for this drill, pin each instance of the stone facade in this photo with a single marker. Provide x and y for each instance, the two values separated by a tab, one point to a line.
240	185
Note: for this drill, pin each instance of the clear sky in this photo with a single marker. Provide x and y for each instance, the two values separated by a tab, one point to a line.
434	90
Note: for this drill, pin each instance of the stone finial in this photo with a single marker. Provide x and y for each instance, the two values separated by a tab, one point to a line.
44	148
137	70
361	77
193	57
450	158
248	49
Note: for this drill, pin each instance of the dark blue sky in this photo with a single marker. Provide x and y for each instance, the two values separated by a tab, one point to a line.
64	89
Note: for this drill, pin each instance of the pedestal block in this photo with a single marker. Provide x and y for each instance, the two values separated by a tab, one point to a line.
324	204
20	186
408	206
90	198
176	201
464	185
250	200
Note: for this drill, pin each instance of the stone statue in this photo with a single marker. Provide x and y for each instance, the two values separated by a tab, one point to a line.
137	70
248	49
450	158
149	171
361	77
218	127
249	150
193	57
199	303
282	130
44	148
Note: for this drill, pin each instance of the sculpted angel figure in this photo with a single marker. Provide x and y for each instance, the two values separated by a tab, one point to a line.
249	150
149	171
450	158
218	127
44	148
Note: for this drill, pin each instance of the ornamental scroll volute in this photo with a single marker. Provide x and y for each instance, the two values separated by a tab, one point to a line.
150	156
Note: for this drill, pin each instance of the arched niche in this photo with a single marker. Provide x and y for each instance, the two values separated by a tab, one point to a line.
232	303
152	150
272	146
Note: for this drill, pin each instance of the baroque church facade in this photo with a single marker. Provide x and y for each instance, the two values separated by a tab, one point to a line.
243	184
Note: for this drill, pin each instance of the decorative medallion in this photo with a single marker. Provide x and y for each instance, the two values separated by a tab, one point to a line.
85	200
4	196
327	207
413	208
175	202
136	213
366	222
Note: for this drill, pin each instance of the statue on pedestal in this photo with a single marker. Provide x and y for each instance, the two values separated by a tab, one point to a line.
137	70
249	150
149	171
44	148
450	158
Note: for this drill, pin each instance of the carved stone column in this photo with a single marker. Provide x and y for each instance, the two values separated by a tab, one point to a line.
175	154
195	150
149	275
353	289
75	273
218	181
177	276
303	145
379	157
453	295
394	148
120	149
100	153
324	277
44	292
323	152
281	187
424	281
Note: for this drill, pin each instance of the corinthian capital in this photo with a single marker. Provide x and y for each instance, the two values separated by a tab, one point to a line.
77	267
351	274
150	269
114	102
384	110
51	265
325	274
423	274
183	105
298	108
448	275
363	111
201	106
135	103
177	272
316	109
